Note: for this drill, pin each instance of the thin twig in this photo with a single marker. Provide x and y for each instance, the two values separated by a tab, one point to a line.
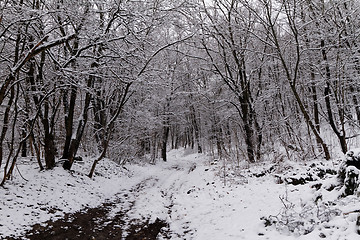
20	173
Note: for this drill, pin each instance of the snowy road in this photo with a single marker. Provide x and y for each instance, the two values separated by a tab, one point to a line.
186	193
184	198
189	194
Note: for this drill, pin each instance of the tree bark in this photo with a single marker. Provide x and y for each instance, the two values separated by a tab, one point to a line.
196	127
310	123
69	109
327	91
75	142
24	144
165	137
49	145
97	160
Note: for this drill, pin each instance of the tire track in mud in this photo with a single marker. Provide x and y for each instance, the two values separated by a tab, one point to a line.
107	221
111	220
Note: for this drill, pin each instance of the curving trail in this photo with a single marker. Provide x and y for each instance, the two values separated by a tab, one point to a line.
184	198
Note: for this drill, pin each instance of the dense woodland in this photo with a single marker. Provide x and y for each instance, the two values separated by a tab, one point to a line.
246	80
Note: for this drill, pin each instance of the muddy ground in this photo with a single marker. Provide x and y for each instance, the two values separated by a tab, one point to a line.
94	224
97	224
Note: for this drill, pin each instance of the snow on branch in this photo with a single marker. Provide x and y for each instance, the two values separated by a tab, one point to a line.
160	49
38	48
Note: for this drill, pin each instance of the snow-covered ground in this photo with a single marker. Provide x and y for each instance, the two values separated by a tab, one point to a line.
190	194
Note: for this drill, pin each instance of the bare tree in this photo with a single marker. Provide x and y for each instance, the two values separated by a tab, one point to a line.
227	42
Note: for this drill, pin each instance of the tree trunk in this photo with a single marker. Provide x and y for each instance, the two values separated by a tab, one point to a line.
24	144
6	122
8	173
310	123
75	142
196	127
356	102
102	155
248	130
69	109
50	150
341	135
165	137
37	151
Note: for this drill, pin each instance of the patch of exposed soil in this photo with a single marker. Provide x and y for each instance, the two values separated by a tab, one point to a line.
148	230
98	224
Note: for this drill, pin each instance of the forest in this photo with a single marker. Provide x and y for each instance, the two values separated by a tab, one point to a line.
247	80
129	80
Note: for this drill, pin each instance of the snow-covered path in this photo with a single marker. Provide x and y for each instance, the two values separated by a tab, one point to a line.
187	192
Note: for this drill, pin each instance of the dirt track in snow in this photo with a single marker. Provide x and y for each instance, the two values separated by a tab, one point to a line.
186	198
98	223
129	215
